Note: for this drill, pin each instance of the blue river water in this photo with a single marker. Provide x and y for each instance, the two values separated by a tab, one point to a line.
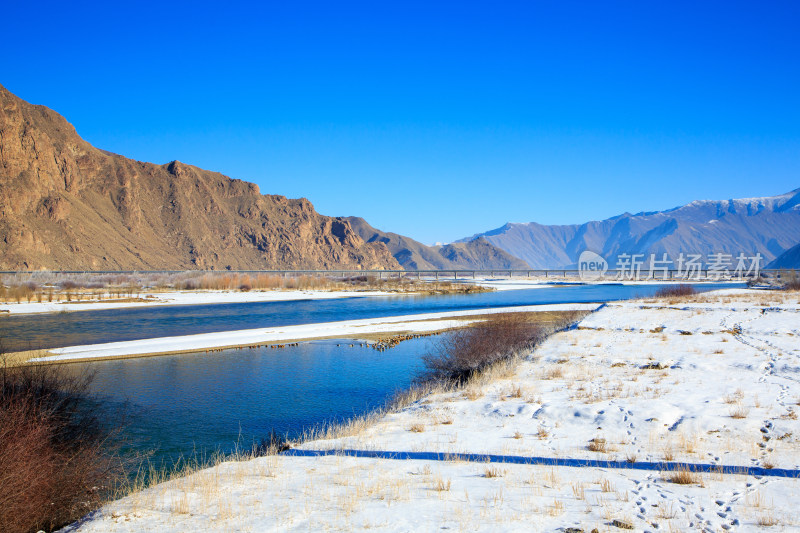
23	332
182	405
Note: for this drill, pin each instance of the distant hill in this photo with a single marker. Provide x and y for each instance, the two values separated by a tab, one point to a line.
788	259
65	204
768	225
477	254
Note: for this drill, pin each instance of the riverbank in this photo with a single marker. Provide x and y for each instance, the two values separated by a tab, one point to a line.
591	428
31	298
155	299
349	329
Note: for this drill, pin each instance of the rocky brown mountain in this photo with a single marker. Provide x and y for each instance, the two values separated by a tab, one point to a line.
65	204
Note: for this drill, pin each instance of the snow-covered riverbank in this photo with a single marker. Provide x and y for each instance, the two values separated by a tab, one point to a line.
712	381
184	298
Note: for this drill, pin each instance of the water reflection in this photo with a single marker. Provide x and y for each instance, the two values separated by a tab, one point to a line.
208	402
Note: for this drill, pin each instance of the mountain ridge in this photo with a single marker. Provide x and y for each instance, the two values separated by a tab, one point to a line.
788	259
65	204
477	254
766	225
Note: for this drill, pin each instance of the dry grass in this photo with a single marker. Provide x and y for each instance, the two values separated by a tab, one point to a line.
441	485
553	372
767	519
597	444
493	472
417	428
682	475
734	397
666	511
606	485
473	393
515	392
739	411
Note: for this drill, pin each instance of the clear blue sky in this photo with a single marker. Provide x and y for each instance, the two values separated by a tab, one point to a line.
436	120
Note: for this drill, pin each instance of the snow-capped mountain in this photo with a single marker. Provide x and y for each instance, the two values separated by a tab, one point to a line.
769	226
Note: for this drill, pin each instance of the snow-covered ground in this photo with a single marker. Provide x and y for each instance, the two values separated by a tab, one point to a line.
249	337
714	382
185	298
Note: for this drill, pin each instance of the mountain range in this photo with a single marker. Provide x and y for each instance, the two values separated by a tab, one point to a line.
65	204
768	225
476	254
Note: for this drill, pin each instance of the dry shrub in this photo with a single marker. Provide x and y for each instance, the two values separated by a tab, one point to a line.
676	291
55	461
458	355
791	281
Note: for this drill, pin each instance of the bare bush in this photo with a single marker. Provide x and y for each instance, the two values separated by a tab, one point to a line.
459	354
676	291
55	464
791	281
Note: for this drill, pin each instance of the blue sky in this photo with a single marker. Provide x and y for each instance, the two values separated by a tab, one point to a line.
433	119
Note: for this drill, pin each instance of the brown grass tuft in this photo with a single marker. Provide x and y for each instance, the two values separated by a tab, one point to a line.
597	445
682	475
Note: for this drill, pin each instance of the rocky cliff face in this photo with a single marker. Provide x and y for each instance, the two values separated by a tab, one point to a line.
67	205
